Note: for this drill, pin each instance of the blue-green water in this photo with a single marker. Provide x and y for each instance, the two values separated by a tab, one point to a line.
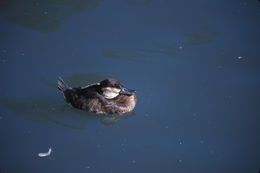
195	66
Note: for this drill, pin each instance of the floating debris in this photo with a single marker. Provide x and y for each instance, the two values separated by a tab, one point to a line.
45	154
240	57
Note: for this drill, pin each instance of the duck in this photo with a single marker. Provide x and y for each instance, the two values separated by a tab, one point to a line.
105	97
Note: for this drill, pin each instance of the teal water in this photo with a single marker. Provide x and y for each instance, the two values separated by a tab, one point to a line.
195	66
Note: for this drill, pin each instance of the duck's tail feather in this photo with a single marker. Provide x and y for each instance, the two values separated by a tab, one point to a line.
62	86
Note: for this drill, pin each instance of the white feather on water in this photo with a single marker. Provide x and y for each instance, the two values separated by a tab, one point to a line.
45	154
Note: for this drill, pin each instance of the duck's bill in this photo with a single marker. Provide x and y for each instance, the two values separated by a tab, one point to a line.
126	91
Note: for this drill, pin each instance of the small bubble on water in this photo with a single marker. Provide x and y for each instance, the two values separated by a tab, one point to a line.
240	57
230	97
212	152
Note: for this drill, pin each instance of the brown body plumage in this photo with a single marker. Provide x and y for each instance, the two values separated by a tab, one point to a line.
106	97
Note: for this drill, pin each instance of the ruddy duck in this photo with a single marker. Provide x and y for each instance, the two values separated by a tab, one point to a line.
106	97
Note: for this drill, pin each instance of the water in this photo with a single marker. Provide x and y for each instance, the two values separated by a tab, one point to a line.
195	66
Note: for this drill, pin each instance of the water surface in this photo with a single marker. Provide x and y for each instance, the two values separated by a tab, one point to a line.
195	66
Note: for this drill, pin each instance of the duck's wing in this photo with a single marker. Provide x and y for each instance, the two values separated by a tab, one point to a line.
90	85
87	91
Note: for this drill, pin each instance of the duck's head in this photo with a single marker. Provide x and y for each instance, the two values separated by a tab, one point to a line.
111	88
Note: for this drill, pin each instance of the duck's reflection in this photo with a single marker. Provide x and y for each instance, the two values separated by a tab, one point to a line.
43	16
55	109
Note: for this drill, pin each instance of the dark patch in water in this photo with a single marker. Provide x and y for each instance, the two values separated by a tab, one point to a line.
202	35
43	16
136	53
138	2
47	109
126	53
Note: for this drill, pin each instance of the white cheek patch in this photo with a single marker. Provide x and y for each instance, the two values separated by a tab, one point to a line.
110	93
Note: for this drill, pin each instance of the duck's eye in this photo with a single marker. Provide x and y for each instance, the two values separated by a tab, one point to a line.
117	86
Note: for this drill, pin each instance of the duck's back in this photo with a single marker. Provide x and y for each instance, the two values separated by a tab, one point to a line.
86	98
